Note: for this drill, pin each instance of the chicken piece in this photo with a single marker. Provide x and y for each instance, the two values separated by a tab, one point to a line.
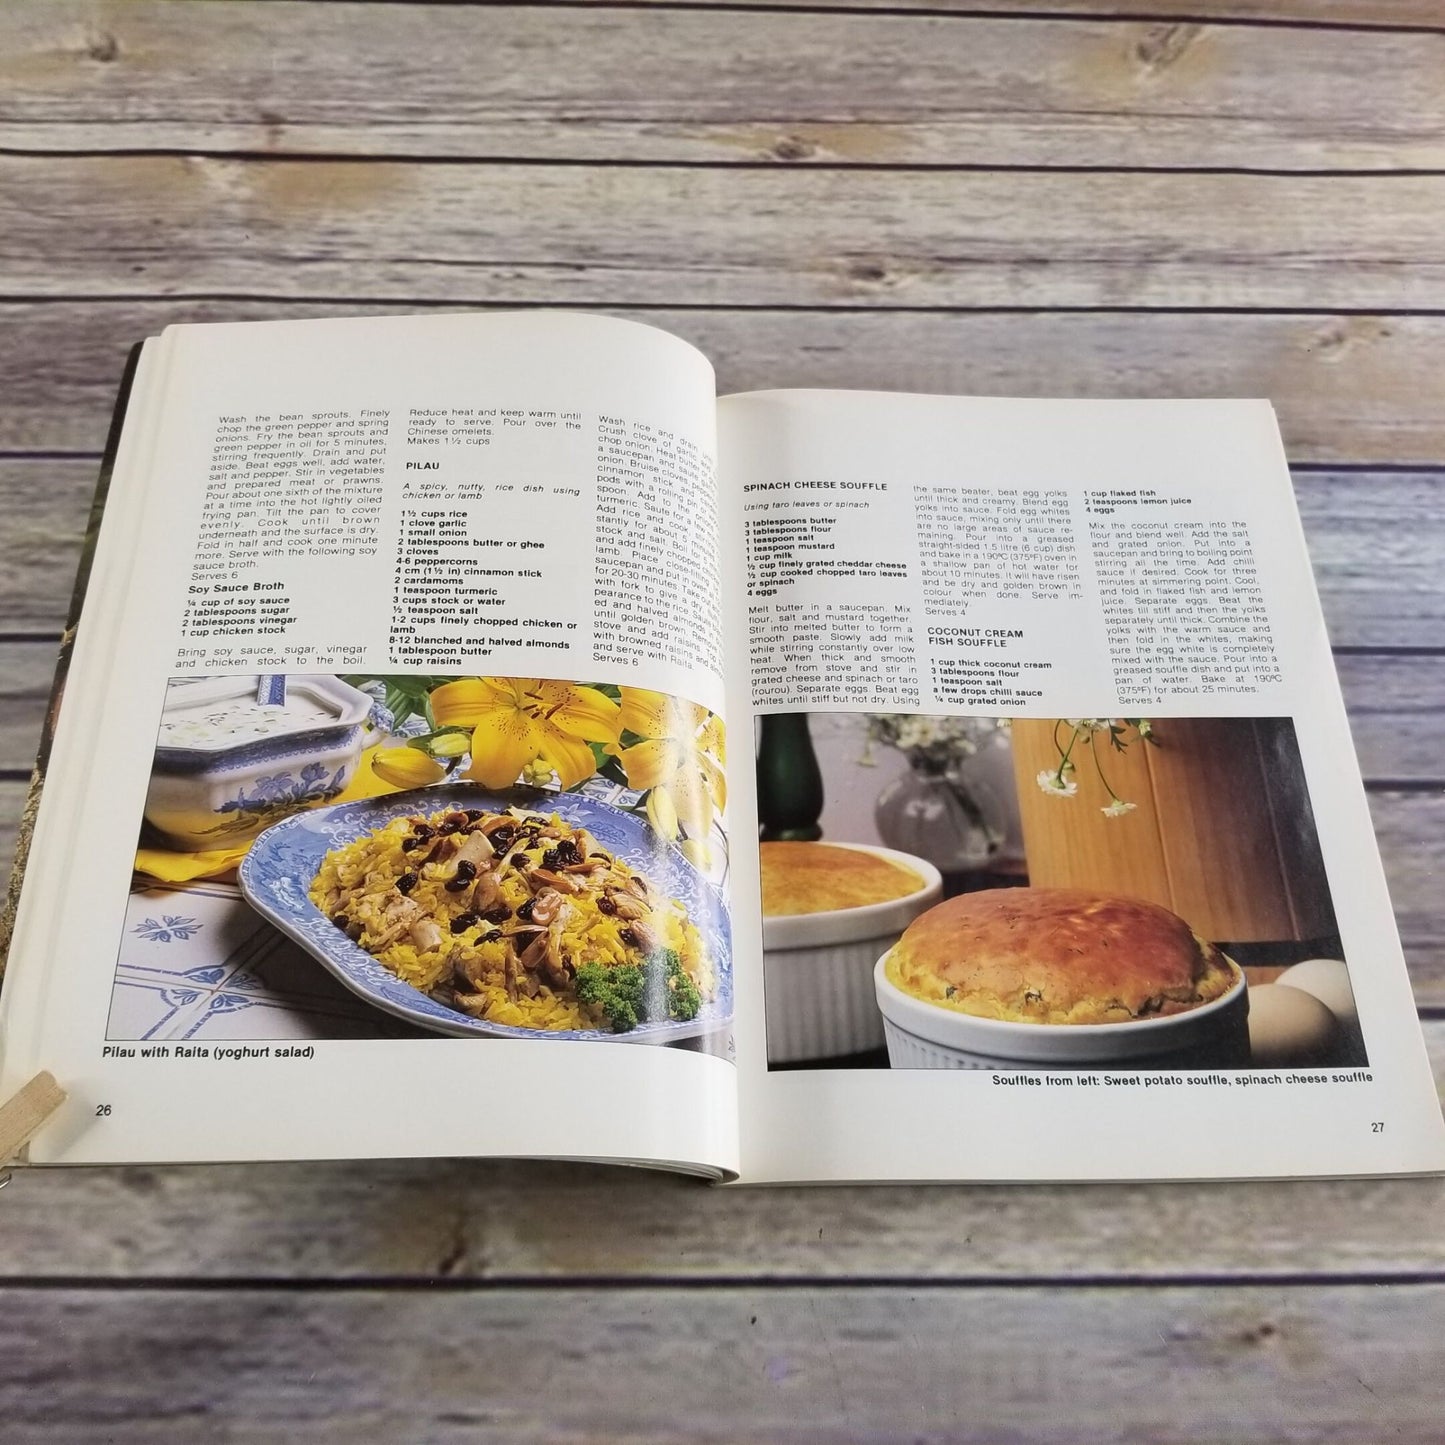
477	849
554	963
624	905
531	958
426	935
473	1003
487	893
647	937
396	918
459	860
458	960
442	851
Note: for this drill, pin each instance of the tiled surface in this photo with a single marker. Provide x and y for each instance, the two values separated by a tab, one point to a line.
197	963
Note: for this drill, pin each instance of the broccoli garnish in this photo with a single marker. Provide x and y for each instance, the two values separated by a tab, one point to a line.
616	991
684	998
654	991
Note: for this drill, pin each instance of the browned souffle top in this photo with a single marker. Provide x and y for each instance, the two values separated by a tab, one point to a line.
818	878
1057	955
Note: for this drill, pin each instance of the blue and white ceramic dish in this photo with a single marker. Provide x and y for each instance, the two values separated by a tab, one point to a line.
277	872
228	764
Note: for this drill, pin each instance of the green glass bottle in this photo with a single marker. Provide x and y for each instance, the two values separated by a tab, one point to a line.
790	783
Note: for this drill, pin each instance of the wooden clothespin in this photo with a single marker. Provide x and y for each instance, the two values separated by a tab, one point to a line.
22	1116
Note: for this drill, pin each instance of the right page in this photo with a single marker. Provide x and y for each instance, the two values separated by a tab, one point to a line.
1066	869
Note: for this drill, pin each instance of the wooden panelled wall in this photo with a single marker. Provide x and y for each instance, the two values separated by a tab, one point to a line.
1143	197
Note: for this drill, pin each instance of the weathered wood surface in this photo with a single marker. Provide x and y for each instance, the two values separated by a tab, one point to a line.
1410	828
26	670
1348	388
620	234
505	1221
1421	15
1259	1363
45	503
12	801
816	199
715	86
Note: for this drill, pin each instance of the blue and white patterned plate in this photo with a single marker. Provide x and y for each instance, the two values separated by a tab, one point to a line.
283	861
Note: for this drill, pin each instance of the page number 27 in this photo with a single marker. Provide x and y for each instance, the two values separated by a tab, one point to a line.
1377	1127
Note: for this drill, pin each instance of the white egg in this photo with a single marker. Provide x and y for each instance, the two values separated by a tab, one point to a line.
1328	980
1288	1026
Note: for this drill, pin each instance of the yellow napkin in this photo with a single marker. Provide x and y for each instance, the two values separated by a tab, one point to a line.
168	865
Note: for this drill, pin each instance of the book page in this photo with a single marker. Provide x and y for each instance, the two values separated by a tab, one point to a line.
1067	870
384	814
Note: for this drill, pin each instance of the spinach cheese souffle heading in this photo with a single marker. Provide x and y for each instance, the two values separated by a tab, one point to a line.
1057	956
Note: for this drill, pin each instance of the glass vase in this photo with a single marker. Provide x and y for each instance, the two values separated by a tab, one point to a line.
955	821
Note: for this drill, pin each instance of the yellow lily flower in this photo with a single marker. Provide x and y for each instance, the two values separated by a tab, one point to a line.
516	721
685	785
712	739
449	745
406	767
661	814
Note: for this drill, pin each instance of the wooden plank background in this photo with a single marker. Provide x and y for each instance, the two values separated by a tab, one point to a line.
1140	197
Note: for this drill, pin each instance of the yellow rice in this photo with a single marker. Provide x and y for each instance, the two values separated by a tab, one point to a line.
468	969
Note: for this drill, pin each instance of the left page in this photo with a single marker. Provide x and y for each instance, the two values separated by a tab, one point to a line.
384	809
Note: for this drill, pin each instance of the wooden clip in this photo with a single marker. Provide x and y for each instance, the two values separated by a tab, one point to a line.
22	1116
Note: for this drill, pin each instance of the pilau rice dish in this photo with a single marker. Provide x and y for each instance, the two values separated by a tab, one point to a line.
517	918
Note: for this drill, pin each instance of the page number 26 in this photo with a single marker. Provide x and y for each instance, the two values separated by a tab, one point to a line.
102	1111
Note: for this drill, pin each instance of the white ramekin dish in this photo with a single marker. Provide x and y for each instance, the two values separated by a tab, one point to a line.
818	968
924	1036
214	794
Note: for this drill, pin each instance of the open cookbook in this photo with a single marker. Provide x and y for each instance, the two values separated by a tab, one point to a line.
480	738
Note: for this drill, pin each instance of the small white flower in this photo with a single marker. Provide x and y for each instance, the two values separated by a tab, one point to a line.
1053	782
1118	808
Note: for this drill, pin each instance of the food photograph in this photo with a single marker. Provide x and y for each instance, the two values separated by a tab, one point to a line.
1046	893
474	857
